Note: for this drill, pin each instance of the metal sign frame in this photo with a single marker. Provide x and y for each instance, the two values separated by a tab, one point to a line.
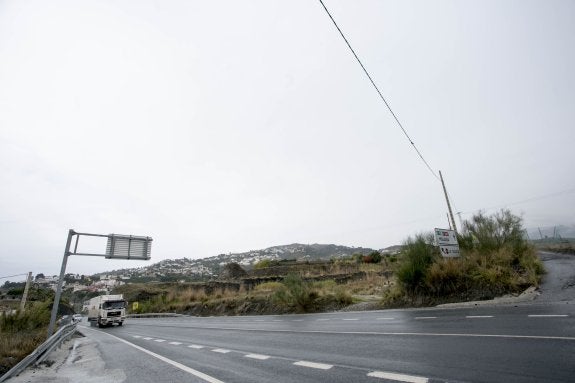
141	253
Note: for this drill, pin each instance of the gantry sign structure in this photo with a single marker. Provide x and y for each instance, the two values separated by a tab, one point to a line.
118	246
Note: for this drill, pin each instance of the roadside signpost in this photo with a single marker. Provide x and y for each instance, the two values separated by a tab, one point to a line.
447	242
118	247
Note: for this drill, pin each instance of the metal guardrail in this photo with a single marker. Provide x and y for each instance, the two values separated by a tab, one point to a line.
39	354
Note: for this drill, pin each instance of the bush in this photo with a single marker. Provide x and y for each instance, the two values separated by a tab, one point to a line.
495	260
296	294
491	233
263	264
417	257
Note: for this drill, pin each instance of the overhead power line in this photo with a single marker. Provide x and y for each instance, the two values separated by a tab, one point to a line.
10	276
379	92
532	199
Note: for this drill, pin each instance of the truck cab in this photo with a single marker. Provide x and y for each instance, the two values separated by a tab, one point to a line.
106	310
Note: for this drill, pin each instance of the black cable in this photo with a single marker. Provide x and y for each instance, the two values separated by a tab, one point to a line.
10	276
379	92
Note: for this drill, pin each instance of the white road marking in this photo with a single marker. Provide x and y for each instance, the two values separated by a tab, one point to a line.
479	316
136	336
320	366
221	350
425	318
259	320
398	377
389	333
201	375
548	316
257	356
385	318
323	319
297	320
176	343
196	346
159	340
147	338
350	319
277	320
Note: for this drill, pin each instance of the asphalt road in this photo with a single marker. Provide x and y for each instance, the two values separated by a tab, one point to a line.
524	342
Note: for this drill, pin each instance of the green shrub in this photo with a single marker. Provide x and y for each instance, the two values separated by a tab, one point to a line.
296	294
417	257
491	233
263	264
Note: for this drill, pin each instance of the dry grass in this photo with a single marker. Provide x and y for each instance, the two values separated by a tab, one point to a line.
22	333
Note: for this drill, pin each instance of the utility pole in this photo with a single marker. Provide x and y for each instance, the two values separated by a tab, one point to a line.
448	204
25	295
448	221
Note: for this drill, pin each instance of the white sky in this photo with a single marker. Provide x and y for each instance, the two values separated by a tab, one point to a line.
223	126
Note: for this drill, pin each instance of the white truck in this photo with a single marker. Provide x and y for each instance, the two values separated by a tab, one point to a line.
105	310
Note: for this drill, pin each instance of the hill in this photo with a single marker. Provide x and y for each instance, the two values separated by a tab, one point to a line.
209	268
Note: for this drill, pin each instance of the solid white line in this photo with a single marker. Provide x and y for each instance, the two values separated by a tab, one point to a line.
385	318
159	340
182	367
350	319
548	316
221	350
479	316
176	343
320	366
196	346
257	356
398	377
425	318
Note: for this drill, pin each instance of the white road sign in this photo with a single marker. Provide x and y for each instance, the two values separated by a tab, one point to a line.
447	242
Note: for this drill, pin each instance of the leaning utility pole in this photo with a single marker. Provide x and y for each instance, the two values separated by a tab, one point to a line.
448	204
25	295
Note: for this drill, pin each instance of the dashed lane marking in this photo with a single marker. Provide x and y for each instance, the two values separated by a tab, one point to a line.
425	318
196	346
385	318
199	374
221	350
159	340
398	377
548	316
136	336
176	343
277	320
147	338
257	356
320	366
478	316
323	319
297	320
350	319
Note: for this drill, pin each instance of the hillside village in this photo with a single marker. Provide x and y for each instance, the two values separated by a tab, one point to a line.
205	269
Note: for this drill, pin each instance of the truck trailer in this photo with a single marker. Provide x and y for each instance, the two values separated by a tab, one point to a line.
105	310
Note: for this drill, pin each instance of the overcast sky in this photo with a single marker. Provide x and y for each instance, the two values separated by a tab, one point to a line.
225	126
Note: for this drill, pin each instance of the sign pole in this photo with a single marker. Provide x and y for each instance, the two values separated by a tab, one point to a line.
448	204
60	282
